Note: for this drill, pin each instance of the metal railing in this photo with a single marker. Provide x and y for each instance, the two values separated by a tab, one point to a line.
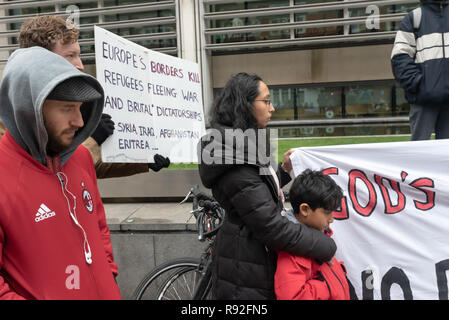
100	11
388	121
293	25
208	17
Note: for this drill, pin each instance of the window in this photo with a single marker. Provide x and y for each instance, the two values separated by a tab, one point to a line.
317	103
284	102
319	31
307	102
368	101
241	5
291	23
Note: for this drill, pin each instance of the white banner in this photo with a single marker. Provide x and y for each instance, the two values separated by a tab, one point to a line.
392	230
154	99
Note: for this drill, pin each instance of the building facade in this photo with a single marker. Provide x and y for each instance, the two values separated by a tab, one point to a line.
327	62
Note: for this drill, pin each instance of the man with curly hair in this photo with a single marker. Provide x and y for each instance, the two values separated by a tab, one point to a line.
55	34
61	37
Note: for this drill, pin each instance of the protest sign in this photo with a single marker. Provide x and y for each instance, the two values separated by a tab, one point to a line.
392	229
154	99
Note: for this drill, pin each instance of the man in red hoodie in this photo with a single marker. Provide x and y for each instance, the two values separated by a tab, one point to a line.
313	197
54	240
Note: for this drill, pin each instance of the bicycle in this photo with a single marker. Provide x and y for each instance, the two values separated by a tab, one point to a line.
187	278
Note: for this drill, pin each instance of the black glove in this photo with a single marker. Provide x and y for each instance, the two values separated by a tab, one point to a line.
104	129
159	163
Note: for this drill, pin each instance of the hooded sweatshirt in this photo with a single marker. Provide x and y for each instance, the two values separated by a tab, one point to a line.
54	240
28	78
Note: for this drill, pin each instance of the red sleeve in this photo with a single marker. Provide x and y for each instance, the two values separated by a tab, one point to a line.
105	235
102	224
6	293
292	279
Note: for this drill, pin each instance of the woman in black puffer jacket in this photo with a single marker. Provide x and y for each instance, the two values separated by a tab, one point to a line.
236	166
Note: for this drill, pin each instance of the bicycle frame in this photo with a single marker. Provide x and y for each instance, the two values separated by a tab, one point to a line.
182	273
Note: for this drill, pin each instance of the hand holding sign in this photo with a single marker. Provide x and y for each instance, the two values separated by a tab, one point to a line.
159	163
154	99
104	129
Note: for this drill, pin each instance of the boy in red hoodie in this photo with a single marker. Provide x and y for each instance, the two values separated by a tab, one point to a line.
313	197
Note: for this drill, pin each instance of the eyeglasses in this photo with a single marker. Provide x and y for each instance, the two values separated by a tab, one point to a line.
267	101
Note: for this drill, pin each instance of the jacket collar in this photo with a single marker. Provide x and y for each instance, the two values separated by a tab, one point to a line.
219	152
14	149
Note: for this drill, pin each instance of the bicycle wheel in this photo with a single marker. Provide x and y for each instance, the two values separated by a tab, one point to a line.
183	285
176	279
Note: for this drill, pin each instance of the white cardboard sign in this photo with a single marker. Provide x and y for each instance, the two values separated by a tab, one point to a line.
154	99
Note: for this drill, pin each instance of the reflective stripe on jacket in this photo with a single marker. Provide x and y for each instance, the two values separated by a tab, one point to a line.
420	58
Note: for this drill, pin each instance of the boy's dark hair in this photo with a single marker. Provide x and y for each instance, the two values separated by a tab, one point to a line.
315	189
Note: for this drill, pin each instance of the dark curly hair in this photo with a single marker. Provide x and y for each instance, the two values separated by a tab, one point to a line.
46	31
233	107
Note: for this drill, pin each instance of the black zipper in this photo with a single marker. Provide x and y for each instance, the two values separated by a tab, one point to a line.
442	34
337	278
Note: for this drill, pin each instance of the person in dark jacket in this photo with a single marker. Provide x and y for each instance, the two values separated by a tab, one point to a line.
421	66
234	161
